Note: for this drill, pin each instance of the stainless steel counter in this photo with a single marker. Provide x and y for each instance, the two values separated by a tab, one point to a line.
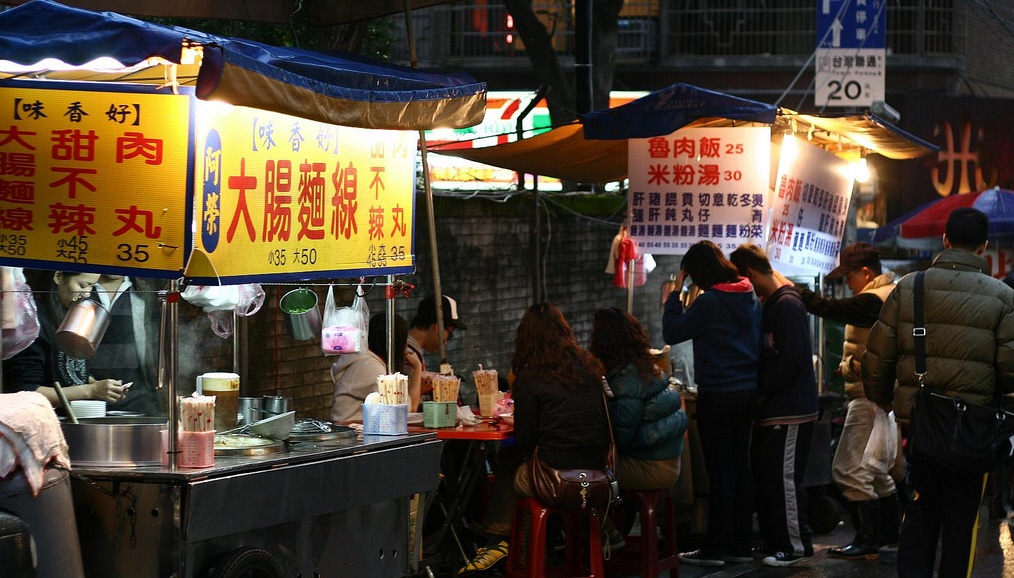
341	510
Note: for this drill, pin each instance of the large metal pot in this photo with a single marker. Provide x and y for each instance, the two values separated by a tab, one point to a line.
115	441
82	328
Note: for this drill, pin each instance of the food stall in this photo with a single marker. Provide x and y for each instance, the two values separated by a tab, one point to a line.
304	169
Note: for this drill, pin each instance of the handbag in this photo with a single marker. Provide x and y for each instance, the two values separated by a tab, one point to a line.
948	432
576	488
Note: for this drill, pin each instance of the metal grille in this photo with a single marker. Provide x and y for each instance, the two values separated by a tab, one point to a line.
660	29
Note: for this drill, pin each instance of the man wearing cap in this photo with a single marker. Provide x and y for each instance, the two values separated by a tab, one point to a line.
872	496
424	336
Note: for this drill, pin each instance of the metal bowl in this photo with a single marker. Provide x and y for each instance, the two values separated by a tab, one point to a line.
115	441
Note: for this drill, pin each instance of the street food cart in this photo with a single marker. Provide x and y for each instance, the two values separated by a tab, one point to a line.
340	508
304	170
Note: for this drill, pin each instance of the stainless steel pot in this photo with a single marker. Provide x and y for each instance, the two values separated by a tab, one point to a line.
119	442
82	328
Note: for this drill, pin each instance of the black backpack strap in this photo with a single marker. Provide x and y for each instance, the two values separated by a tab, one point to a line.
919	328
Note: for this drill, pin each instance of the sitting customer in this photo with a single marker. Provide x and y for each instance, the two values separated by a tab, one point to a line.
557	392
355	374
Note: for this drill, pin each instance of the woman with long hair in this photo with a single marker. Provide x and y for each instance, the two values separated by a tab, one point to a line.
647	416
558	406
41	364
724	324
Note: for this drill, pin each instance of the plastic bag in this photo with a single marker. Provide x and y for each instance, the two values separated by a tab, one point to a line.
882	448
344	329
20	319
220	301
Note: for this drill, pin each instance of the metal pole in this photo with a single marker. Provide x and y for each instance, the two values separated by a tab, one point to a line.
172	367
630	285
390	328
437	293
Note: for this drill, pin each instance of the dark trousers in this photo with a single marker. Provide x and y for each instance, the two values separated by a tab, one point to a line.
723	423
946	507
779	454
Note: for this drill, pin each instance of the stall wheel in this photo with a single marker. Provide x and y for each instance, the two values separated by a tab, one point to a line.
248	563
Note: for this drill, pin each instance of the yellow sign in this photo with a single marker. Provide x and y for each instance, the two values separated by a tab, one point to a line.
93	180
288	198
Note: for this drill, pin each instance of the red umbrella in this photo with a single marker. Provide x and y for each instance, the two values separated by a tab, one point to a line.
931	220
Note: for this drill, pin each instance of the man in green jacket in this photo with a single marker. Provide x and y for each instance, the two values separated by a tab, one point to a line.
969	321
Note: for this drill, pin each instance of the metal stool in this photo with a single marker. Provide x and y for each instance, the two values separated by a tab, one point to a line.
642	554
583	559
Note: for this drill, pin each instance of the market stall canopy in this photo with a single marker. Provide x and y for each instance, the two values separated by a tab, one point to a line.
46	40
573	152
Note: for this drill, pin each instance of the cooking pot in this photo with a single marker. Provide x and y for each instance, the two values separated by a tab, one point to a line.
82	328
118	442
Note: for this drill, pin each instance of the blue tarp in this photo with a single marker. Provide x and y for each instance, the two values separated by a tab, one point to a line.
664	111
329	87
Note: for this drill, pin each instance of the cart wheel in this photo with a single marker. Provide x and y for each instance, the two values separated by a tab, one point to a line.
248	563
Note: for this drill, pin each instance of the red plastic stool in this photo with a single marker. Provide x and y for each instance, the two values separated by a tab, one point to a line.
579	562
642	554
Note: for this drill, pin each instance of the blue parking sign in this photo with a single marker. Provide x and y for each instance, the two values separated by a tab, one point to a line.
851	23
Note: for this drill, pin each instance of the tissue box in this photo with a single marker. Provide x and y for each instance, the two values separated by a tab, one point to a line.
196	449
341	339
439	413
385	420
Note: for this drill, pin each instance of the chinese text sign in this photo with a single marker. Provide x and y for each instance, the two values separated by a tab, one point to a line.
851	60
93	180
808	209
698	184
288	198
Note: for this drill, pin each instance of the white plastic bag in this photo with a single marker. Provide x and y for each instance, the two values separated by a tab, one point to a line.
344	329
20	319
882	448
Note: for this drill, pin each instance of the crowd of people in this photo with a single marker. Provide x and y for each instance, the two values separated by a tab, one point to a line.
757	402
756	393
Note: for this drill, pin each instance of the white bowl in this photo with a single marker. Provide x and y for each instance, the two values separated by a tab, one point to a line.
88	408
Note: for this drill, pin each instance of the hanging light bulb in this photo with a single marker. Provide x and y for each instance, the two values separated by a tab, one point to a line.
860	170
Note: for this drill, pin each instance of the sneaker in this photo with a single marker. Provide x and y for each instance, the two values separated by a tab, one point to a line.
780	559
700	558
485	559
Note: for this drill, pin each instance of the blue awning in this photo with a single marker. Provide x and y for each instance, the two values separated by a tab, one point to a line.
665	111
334	88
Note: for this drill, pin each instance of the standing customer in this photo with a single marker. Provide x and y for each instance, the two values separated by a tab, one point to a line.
41	364
969	321
786	414
130	343
558	406
872	496
724	324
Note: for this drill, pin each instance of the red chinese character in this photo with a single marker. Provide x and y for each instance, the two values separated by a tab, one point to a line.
74	145
311	201
72	180
130	217
14	135
277	213
343	217
376	223
76	220
134	144
241	183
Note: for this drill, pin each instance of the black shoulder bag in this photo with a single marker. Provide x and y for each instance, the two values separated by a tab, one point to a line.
950	433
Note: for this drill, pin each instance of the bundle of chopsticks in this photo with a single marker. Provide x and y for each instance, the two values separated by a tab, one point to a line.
445	387
197	413
393	389
485	381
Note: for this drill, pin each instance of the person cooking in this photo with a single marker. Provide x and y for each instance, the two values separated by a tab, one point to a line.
129	344
42	363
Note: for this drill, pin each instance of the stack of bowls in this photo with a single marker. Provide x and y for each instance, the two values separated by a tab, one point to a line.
85	408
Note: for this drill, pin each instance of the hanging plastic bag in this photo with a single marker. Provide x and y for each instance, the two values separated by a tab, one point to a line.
20	319
882	448
344	329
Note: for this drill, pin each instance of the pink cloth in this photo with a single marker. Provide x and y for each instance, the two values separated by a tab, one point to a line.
30	437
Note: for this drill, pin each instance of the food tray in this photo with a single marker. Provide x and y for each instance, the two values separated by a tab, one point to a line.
320	431
244	445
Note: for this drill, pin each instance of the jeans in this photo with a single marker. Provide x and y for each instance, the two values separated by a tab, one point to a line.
723	423
856	482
